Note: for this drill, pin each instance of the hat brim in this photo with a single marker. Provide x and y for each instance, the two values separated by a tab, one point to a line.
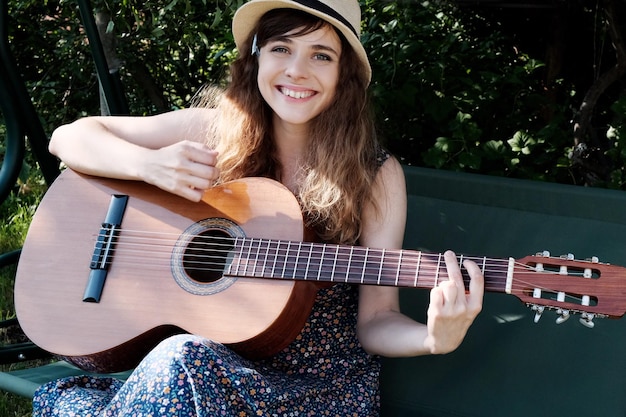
247	16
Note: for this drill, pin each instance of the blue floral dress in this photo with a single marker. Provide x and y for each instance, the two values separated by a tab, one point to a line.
324	372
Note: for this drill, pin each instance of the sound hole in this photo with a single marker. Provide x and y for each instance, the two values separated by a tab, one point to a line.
202	256
207	255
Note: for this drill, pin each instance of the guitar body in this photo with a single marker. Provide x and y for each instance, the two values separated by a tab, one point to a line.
141	302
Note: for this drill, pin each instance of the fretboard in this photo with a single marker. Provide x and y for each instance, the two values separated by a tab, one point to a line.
292	260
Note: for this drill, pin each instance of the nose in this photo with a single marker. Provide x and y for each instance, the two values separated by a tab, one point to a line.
297	67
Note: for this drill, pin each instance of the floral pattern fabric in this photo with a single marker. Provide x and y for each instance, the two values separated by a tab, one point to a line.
324	372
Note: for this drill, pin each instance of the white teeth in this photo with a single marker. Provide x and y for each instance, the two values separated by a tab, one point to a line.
296	94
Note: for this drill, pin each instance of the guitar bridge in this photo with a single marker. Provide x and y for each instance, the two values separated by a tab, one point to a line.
104	248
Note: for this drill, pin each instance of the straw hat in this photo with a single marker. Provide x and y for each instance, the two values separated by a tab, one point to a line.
345	15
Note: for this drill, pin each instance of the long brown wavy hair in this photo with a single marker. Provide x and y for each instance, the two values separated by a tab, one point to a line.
340	163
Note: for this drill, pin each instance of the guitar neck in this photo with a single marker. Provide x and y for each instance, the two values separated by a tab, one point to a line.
290	260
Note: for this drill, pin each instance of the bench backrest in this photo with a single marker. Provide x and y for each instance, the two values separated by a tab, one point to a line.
508	365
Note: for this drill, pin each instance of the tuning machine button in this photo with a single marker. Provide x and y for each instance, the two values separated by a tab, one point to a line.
563	316
538	311
587	320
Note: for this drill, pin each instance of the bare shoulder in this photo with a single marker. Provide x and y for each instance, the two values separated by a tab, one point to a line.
391	174
390	195
385	217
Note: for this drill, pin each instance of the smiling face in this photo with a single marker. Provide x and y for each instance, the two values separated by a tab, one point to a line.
298	74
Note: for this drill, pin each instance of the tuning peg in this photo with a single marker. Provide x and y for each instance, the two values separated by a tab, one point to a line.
569	257
563	316
588	272
538	311
587	320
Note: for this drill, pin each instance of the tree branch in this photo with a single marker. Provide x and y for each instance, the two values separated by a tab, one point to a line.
583	126
588	153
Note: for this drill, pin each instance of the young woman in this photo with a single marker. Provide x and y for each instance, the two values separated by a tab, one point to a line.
296	110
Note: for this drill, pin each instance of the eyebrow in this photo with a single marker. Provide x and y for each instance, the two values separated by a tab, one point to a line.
316	47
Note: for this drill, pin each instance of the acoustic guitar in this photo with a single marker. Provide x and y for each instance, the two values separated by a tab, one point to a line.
109	268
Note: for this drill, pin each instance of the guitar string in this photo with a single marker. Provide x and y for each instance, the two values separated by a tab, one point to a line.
152	243
276	251
517	288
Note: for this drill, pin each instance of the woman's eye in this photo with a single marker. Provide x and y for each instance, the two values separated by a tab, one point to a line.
322	57
280	49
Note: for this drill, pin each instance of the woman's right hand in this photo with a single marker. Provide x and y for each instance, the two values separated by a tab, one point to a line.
166	150
184	168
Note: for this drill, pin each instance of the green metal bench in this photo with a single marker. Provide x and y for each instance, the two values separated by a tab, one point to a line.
508	365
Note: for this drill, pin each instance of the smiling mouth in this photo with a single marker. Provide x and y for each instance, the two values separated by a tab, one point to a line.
296	94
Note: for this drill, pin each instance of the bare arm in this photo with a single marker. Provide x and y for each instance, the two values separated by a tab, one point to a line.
382	328
165	150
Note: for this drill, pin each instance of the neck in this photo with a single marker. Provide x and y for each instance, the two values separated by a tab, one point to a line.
291	139
291	144
286	260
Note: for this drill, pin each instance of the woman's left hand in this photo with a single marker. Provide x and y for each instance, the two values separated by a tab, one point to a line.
452	309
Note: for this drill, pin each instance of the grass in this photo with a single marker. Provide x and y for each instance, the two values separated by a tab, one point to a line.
15	215
14	406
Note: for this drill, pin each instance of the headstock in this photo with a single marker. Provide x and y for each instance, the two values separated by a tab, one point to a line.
569	286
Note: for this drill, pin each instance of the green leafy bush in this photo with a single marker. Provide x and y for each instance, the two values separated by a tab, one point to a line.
451	91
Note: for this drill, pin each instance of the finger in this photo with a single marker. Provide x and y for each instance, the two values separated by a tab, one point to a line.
199	182
200	153
450	293
436	299
204	156
199	161
192	194
197	152
206	173
476	286
454	271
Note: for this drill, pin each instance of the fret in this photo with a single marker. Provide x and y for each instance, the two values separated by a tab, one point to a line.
417	268
347	279
267	252
282	275
276	253
321	262
256	257
398	268
437	270
308	261
367	251
380	270
249	251
295	263
332	273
